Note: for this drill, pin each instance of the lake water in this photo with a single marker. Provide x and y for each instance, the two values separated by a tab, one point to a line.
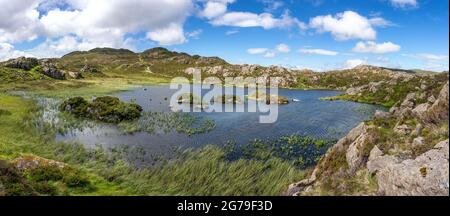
309	117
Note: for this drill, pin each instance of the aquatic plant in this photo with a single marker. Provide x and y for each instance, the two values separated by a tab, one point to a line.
159	122
301	151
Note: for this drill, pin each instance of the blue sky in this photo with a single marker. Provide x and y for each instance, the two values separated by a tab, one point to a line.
316	34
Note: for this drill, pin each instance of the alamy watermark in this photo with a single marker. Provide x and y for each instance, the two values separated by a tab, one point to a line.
262	95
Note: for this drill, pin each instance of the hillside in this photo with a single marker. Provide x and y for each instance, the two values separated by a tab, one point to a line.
400	152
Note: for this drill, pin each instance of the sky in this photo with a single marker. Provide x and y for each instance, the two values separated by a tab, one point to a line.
315	34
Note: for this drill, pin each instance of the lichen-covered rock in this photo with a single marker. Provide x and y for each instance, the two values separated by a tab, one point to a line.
355	152
381	114
402	129
75	75
88	69
192	70
421	110
409	101
418	142
426	175
22	63
438	112
51	70
377	163
29	162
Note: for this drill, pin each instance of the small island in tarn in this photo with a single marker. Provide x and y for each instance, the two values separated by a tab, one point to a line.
106	109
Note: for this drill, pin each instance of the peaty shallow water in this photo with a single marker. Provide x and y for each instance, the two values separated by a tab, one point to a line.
309	117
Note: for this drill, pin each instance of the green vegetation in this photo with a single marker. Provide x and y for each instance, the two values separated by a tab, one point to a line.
106	109
158	122
300	151
388	94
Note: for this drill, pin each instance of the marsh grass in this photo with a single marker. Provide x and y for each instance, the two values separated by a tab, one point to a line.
159	122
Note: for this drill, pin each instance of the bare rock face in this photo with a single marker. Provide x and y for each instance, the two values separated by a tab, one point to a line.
355	155
409	101
379	163
381	114
426	175
439	110
50	69
53	72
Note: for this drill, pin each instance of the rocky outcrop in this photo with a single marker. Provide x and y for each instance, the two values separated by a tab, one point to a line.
22	63
50	69
350	145
89	69
439	110
29	162
426	175
407	155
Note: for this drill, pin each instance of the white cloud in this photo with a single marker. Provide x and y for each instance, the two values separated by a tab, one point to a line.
100	21
215	8
372	47
19	20
263	20
232	32
378	21
432	57
345	26
7	51
194	34
255	51
283	48
404	3
170	35
272	5
319	52
270	54
351	63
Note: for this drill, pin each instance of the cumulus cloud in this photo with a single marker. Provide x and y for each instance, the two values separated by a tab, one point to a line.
248	19
112	19
7	51
215	8
319	52
282	48
19	20
94	22
345	26
372	47
404	3
351	63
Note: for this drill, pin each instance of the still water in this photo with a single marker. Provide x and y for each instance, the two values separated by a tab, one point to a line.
309	116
